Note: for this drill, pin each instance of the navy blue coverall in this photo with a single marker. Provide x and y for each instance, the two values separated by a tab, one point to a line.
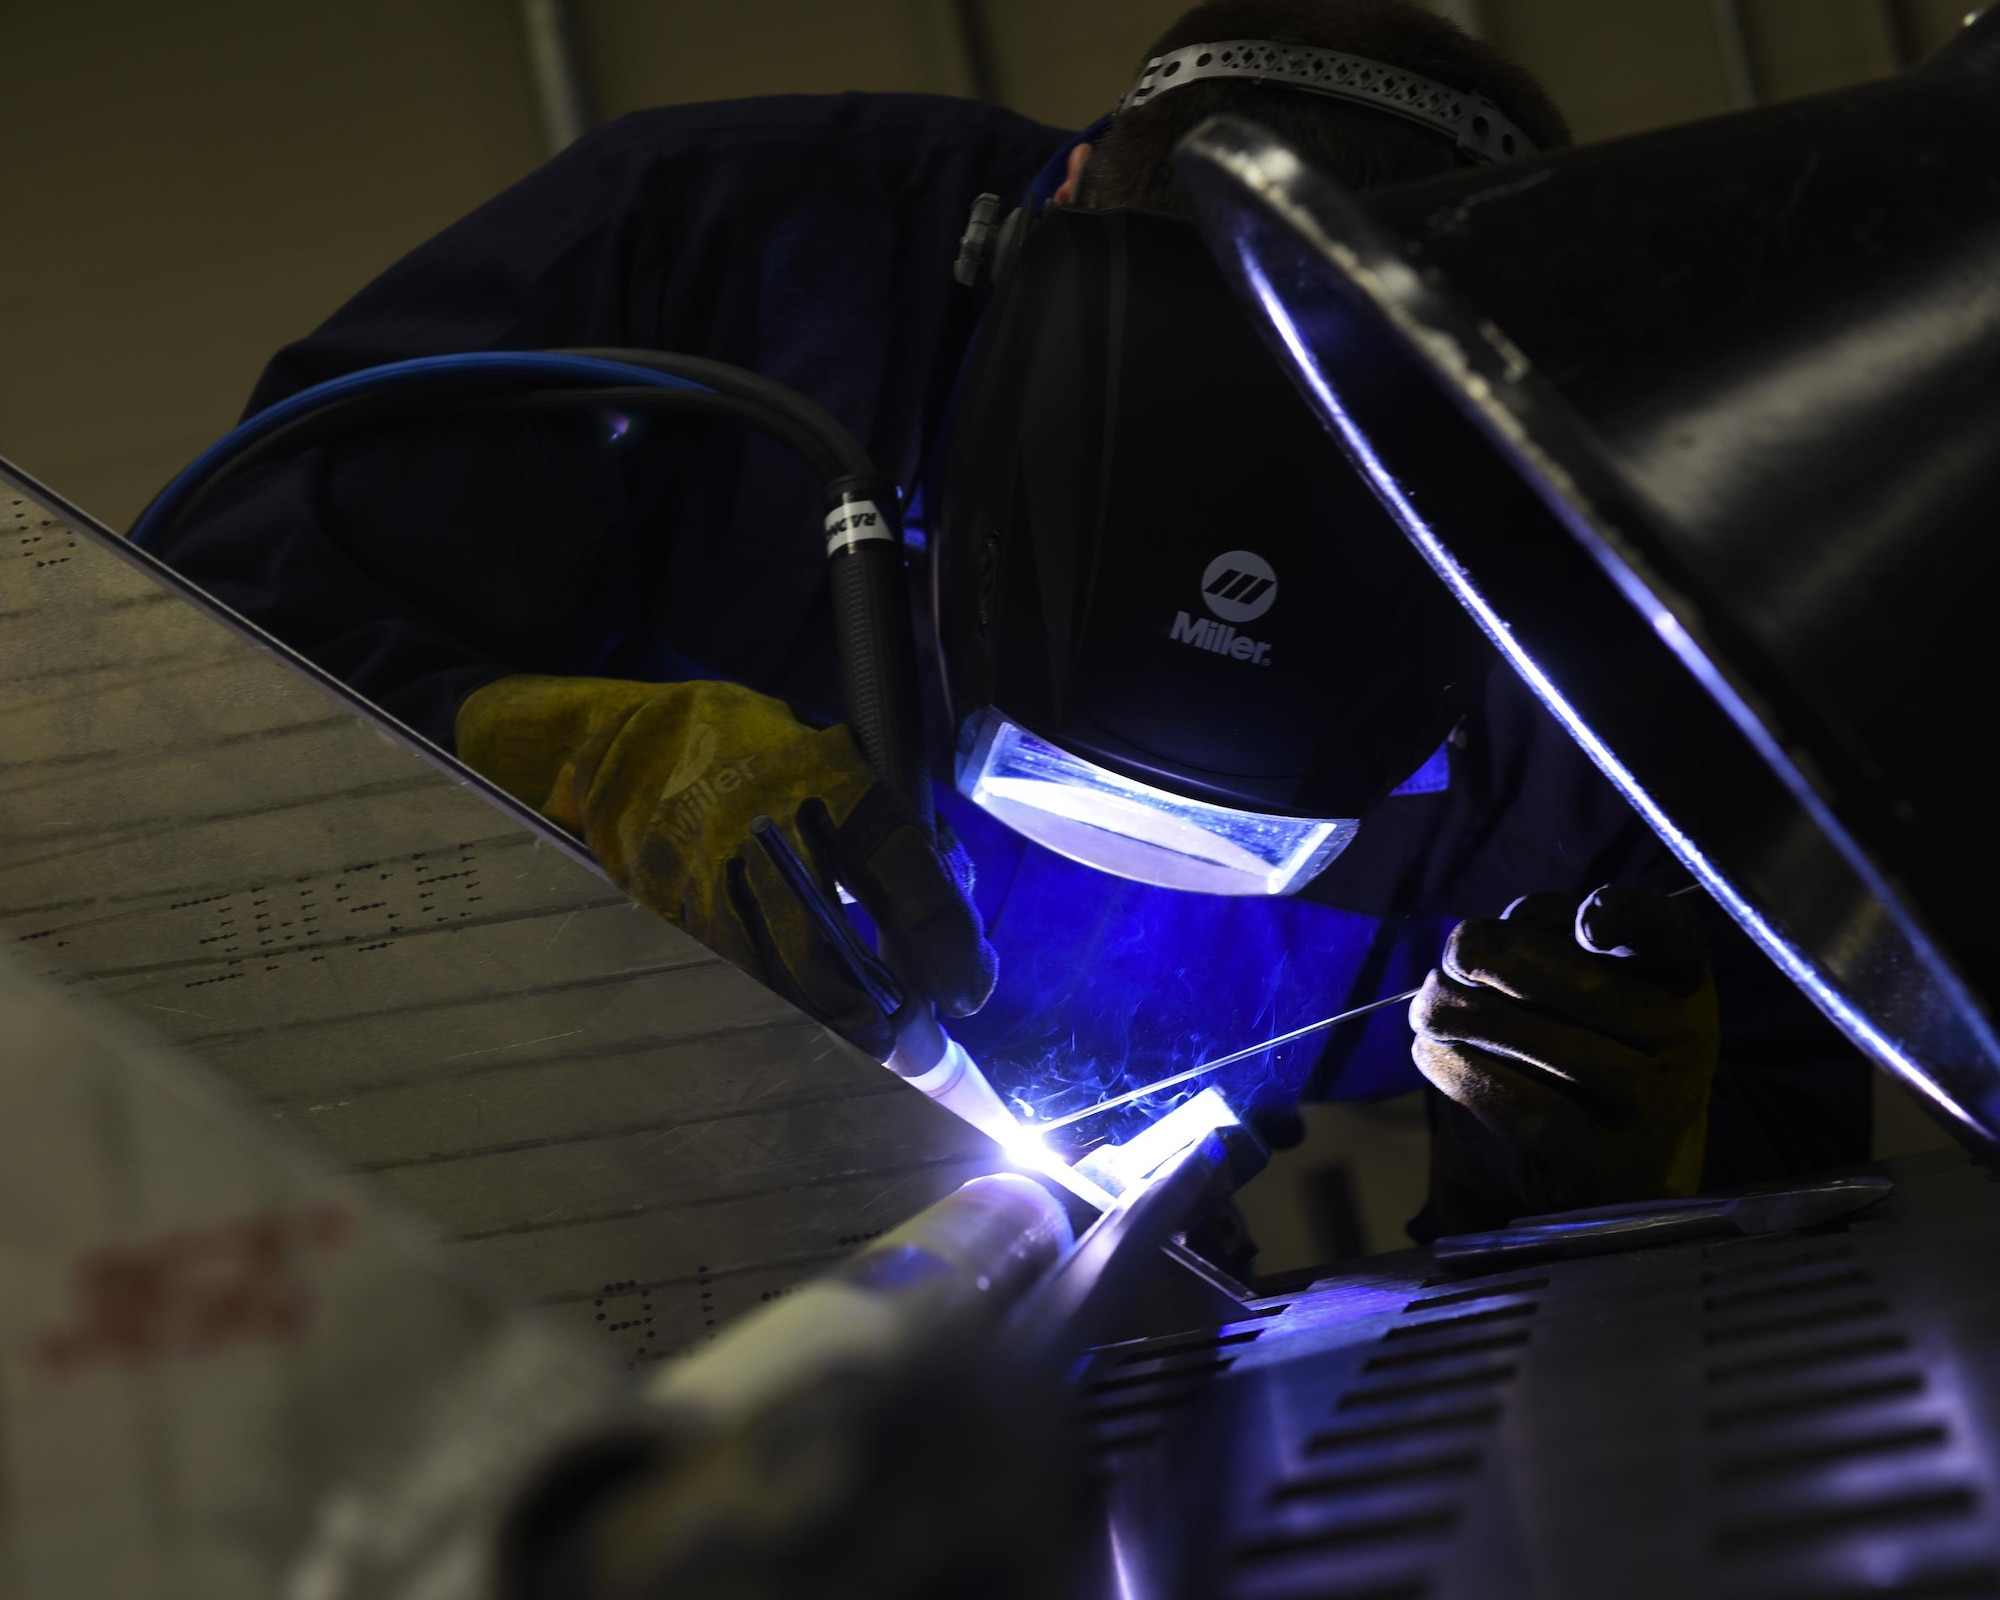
812	239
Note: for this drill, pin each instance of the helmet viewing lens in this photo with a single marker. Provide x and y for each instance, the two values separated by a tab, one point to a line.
1133	830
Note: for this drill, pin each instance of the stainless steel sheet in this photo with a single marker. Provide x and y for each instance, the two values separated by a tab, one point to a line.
402	965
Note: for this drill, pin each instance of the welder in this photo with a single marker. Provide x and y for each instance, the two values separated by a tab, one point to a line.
1215	753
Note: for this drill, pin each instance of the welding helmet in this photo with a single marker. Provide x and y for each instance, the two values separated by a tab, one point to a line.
1180	639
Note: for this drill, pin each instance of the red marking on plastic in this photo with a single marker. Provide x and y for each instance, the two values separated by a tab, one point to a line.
193	1292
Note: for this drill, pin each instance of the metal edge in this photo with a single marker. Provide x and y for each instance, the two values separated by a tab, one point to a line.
144	561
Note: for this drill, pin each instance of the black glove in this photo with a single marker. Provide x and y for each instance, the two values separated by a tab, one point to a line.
1574	1047
662	781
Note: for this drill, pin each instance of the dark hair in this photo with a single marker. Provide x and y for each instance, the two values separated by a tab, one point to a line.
1133	164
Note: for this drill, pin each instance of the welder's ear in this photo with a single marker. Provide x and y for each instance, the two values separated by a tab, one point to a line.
1065	194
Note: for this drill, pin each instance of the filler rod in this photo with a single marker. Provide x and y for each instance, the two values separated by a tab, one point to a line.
1234	1056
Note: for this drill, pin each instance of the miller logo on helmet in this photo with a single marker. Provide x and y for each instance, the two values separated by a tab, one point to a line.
1239	586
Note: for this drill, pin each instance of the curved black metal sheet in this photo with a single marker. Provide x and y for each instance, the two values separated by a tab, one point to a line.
1502	460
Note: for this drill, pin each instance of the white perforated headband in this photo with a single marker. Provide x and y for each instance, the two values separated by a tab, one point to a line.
1472	121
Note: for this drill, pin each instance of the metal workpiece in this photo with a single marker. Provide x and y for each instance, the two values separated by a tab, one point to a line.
1694	425
414	971
1082	1298
869	1433
900	1426
1798	1416
228	1370
944	1277
1602	1230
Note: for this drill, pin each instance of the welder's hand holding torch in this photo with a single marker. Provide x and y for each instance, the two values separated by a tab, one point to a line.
663	780
1574	1046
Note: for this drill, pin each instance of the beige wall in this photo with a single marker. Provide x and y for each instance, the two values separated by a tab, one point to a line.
646	53
188	185
1067	64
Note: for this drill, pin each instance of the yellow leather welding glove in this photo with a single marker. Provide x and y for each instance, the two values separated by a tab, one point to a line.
662	782
1574	1046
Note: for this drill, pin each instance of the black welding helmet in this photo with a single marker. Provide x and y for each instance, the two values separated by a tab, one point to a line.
1181	640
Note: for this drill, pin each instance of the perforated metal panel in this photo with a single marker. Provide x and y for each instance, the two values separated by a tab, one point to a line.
411	973
1805	1417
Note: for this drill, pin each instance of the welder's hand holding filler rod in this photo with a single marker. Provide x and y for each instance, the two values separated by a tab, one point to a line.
1234	1056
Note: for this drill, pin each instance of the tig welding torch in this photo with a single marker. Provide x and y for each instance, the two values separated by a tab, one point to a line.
925	1056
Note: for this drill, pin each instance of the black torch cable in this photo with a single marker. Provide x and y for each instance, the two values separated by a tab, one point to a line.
874	631
345	418
875	634
807	415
